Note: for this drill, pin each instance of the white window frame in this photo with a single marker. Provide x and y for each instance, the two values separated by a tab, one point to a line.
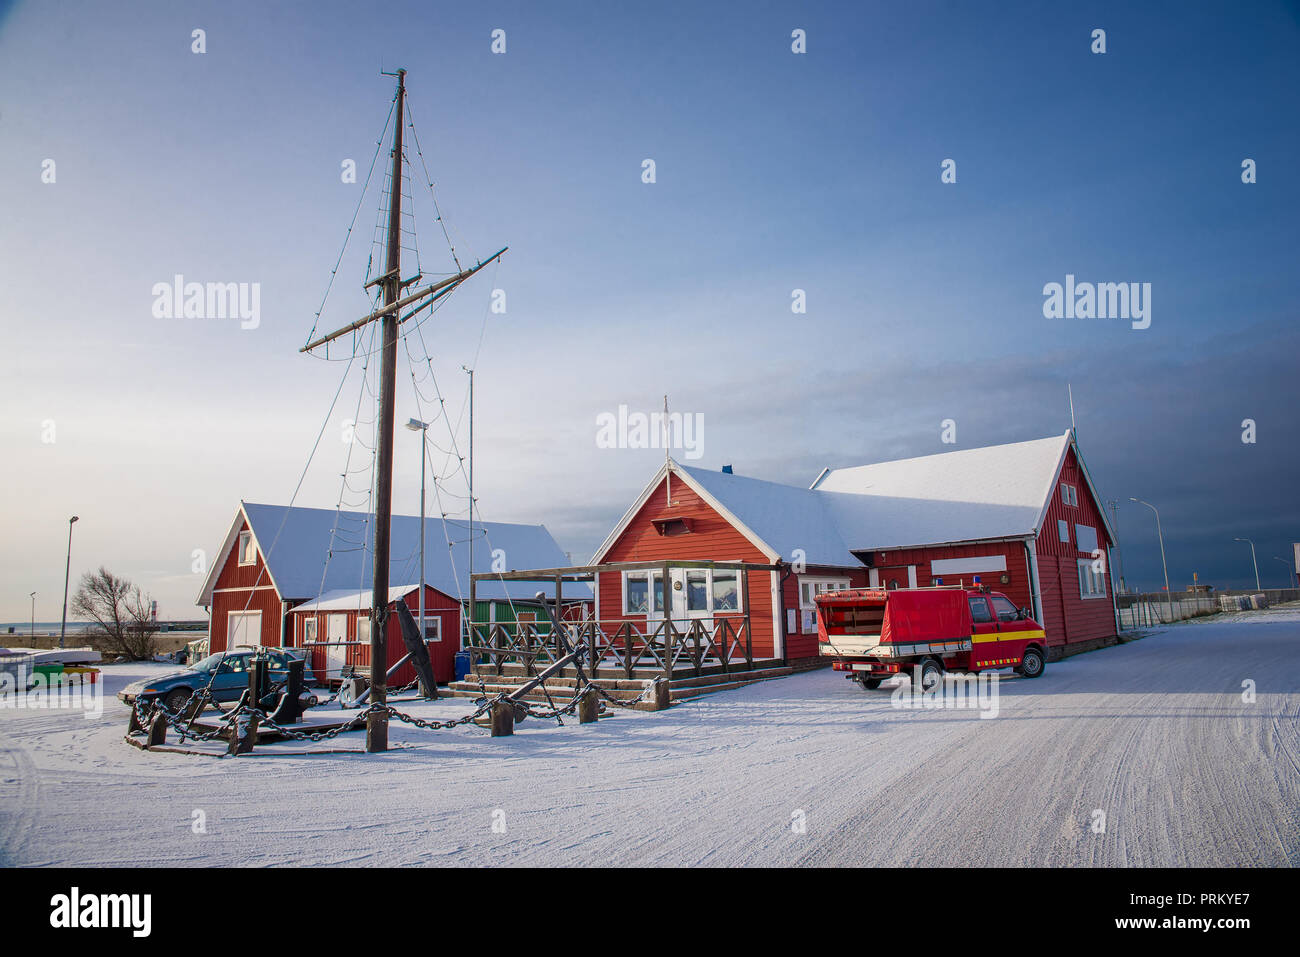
650	575
433	624
820	585
245	546
709	611
1094	581
739	574
363	619
310	629
1069	494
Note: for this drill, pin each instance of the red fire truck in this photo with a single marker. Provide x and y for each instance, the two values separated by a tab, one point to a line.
874	634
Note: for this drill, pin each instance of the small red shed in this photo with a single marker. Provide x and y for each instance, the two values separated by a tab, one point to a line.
336	629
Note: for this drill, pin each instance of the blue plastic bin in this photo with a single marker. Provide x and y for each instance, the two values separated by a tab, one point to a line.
462	665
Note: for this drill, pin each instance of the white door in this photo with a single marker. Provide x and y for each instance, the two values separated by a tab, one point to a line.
243	629
335	651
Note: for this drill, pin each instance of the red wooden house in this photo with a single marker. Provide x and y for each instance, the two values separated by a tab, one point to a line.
1025	518
336	629
275	559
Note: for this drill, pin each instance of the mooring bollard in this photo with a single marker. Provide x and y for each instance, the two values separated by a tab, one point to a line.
157	730
503	719
588	706
243	735
663	694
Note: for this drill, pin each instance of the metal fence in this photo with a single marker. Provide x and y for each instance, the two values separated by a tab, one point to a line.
1144	611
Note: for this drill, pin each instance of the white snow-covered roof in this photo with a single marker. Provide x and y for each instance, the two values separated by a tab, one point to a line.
311	552
1016	475
997	492
344	600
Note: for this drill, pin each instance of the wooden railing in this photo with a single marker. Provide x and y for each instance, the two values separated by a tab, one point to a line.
662	647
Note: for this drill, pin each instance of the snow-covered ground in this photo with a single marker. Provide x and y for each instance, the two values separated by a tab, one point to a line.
1154	735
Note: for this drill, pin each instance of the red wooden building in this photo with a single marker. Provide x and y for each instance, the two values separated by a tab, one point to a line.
274	560
1025	518
336	628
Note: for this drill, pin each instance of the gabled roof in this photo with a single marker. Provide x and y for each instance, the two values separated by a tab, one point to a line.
312	551
992	493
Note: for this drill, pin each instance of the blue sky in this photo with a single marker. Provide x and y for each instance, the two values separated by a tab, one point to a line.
775	171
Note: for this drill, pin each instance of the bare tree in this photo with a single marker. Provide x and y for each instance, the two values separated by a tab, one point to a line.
123	622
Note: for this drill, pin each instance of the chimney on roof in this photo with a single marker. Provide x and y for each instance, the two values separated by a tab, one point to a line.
726	470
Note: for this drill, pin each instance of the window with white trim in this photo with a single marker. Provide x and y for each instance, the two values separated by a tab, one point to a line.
1063	530
697	589
810	588
433	628
309	626
1092	583
726	590
247	551
1069	494
637	587
363	629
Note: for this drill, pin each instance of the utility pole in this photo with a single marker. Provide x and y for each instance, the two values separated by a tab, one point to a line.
33	597
1119	552
390	318
67	572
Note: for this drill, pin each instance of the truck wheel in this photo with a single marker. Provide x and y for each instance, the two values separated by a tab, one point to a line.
871	684
1032	664
931	674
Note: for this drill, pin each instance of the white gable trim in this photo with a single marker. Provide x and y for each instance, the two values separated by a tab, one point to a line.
1051	484
214	569
1056	479
227	549
669	466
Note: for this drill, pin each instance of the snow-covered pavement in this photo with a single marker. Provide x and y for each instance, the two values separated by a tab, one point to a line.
1151	739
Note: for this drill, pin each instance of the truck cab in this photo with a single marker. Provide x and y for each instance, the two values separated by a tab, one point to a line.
873	634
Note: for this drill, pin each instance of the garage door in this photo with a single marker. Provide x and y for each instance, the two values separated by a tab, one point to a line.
244	628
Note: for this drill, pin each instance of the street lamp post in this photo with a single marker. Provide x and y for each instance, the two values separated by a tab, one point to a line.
1165	565
33	597
415	425
67	571
1253	559
1290	571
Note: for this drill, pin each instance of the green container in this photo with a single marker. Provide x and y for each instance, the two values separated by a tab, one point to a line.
53	674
